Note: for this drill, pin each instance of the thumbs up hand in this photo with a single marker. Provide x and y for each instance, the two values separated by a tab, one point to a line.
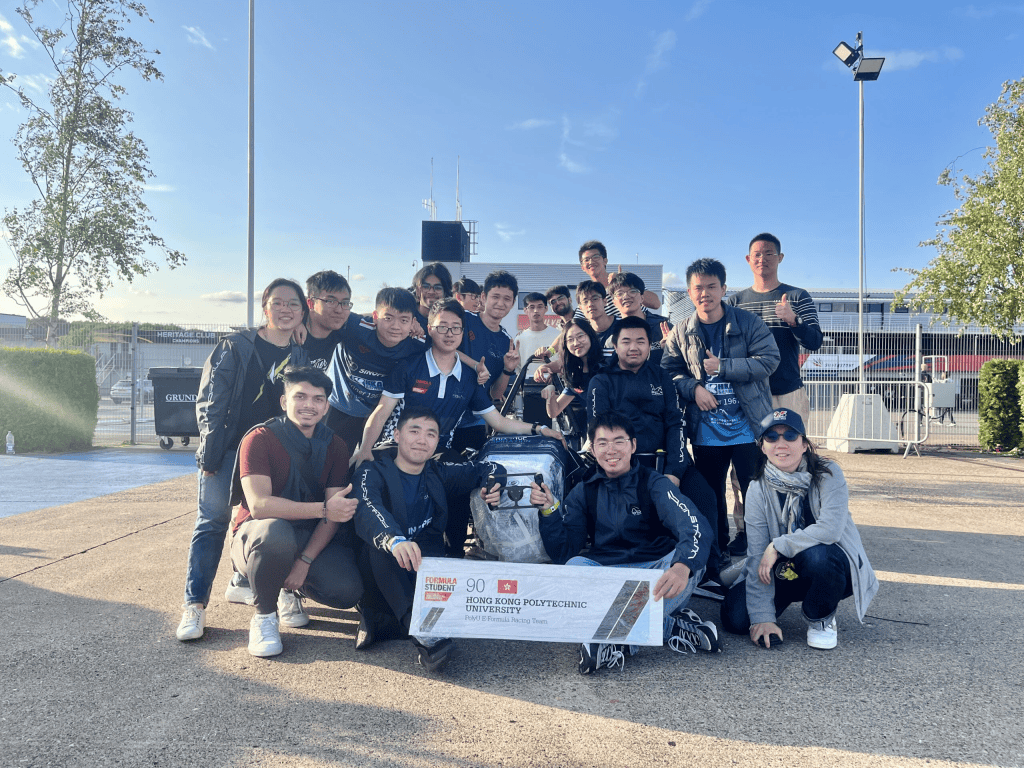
784	311
482	374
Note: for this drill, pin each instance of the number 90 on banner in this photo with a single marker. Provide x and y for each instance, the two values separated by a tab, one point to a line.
525	601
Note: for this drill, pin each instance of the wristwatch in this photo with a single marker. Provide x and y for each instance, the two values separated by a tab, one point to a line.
306	559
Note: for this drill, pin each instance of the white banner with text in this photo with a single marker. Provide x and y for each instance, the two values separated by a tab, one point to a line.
525	601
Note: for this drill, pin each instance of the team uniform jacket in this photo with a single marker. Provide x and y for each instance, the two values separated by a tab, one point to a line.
220	394
748	359
382	514
650	401
622	530
360	364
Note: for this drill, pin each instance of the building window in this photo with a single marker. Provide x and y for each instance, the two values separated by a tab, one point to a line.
825	307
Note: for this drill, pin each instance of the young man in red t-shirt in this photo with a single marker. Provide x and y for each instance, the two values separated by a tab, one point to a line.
293	529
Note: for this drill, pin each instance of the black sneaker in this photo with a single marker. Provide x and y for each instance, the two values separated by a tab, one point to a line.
365	634
593	656
434	658
691	632
738	546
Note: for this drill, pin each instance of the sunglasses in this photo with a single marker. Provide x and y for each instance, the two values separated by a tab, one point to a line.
790	436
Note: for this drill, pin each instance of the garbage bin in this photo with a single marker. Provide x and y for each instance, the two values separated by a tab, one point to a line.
174	403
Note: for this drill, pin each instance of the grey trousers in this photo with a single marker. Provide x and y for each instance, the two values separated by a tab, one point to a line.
265	550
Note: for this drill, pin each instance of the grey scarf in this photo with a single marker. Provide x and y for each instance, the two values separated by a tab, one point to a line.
794	486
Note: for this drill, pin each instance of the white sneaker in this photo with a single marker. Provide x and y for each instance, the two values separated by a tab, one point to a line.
239	591
823	634
264	635
289	610
193	622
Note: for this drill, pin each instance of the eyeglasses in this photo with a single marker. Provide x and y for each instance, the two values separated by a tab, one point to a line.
434	287
277	305
595	299
618	442
332	302
448	330
790	436
625	293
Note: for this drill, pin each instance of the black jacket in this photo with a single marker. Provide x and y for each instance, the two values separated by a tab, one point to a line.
627	525
219	401
382	514
649	399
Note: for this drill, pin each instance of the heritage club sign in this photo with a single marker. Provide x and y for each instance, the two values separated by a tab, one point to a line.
526	601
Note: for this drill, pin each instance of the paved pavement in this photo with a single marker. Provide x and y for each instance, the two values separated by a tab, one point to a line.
38	481
92	674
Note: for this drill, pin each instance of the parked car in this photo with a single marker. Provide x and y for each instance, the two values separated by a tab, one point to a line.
122	391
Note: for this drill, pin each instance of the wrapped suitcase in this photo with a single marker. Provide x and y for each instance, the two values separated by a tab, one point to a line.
511	531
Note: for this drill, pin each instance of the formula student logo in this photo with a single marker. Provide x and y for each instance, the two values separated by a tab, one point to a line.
439	588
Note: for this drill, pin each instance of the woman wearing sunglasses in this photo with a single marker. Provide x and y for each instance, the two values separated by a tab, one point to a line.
802	545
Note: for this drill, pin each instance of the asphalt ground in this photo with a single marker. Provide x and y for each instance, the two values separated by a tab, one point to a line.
92	675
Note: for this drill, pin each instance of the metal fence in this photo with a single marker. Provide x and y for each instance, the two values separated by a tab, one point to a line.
925	379
125	352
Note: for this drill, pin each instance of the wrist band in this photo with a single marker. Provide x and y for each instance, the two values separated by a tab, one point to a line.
508	373
323	513
550	510
306	559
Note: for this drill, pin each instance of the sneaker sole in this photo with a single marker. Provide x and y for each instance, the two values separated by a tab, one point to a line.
826	645
294	622
240	595
263	654
186	636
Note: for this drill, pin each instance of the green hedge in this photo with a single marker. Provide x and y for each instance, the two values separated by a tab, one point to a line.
48	399
999	405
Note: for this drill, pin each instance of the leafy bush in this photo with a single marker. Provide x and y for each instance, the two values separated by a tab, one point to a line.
999	405
48	399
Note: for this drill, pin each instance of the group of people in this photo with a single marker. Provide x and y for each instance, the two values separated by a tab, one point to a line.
339	442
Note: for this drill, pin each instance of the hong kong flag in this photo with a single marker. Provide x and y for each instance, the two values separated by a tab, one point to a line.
508	586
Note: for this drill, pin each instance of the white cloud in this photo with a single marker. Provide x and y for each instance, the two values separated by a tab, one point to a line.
531	124
35	82
8	39
664	43
230	297
358	277
972	12
196	37
158	187
697	9
506	233
571	165
901	60
601	129
670	278
657	59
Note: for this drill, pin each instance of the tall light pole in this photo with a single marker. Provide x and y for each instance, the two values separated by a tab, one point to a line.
863	69
251	284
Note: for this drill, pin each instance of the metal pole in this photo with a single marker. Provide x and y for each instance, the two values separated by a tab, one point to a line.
135	382
860	291
250	286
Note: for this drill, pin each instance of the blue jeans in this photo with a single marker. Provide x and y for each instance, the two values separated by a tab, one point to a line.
212	522
823	581
671	604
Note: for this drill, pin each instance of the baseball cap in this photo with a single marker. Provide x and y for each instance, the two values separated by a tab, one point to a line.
784	416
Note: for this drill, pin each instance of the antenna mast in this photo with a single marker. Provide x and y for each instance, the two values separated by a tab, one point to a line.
458	203
429	203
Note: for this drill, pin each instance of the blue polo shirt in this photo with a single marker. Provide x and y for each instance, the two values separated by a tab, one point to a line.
480	341
418	381
361	362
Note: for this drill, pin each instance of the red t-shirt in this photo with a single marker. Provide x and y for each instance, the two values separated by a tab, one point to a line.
261	453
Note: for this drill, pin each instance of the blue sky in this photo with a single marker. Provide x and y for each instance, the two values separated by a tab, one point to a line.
668	130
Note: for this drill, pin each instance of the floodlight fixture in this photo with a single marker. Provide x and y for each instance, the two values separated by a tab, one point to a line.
869	69
846	54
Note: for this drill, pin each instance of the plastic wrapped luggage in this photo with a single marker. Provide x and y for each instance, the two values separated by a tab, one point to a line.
511	532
